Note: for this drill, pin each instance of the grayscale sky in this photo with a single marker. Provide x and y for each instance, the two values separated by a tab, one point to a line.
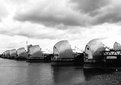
45	22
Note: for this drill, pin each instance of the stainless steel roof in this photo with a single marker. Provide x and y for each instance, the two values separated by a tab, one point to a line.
62	49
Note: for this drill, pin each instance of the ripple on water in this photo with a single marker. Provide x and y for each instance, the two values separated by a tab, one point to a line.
23	73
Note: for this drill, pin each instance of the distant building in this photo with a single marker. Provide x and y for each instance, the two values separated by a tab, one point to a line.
22	53
34	52
7	53
13	53
116	46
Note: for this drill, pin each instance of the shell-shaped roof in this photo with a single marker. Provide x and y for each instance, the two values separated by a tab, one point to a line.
63	49
35	51
116	46
21	52
13	52
7	53
95	47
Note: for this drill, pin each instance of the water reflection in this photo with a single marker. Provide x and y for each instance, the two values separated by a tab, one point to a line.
67	76
91	73
23	73
12	72
39	74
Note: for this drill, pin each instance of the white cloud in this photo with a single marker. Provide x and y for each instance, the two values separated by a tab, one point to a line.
10	42
3	10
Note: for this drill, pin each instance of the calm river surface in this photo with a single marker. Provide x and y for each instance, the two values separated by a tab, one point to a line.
23	73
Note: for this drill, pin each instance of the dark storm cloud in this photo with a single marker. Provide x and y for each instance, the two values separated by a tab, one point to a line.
55	13
73	13
101	11
90	6
109	14
50	20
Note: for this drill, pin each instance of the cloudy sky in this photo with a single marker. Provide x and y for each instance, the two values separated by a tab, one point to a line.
46	22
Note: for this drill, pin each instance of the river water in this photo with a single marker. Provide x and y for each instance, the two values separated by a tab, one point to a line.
23	73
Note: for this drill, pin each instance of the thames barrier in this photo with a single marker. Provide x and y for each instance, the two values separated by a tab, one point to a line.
31	66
